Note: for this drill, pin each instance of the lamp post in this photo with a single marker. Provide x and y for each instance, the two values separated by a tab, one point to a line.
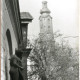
25	55
26	18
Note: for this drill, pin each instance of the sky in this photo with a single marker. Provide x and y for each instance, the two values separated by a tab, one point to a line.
64	15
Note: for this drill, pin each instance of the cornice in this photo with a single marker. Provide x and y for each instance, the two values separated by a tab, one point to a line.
45	16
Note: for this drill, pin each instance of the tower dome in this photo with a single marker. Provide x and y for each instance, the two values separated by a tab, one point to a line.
44	8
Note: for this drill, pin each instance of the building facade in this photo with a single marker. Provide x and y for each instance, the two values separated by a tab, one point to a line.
11	33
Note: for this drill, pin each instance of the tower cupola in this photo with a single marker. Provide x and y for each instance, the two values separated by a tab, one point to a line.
44	8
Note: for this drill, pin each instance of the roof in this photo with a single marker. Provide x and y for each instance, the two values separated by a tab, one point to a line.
44	8
26	15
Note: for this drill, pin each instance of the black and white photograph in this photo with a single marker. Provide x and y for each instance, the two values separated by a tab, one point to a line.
39	39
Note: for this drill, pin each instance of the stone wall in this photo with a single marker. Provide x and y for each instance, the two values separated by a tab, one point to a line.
6	26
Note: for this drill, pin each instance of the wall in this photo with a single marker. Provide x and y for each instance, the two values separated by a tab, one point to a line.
6	25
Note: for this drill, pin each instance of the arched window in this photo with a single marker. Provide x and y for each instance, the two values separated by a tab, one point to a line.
9	41
7	64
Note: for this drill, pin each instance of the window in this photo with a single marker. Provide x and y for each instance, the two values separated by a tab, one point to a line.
41	27
48	26
48	19
7	65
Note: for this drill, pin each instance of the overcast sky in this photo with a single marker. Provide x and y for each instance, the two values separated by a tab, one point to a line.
63	12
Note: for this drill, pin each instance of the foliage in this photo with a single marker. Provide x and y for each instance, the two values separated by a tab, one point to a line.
49	62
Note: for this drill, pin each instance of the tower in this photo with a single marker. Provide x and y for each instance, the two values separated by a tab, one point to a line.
46	28
47	42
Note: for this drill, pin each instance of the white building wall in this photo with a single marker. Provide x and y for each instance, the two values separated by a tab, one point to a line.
6	24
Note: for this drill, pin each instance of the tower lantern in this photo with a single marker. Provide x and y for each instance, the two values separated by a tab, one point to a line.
44	8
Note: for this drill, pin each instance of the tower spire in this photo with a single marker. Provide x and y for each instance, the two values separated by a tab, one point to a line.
44	8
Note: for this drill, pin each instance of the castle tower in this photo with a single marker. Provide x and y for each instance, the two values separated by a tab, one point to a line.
46	29
46	40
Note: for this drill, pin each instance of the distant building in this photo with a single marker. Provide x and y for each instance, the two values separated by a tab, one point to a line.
46	38
11	33
46	28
